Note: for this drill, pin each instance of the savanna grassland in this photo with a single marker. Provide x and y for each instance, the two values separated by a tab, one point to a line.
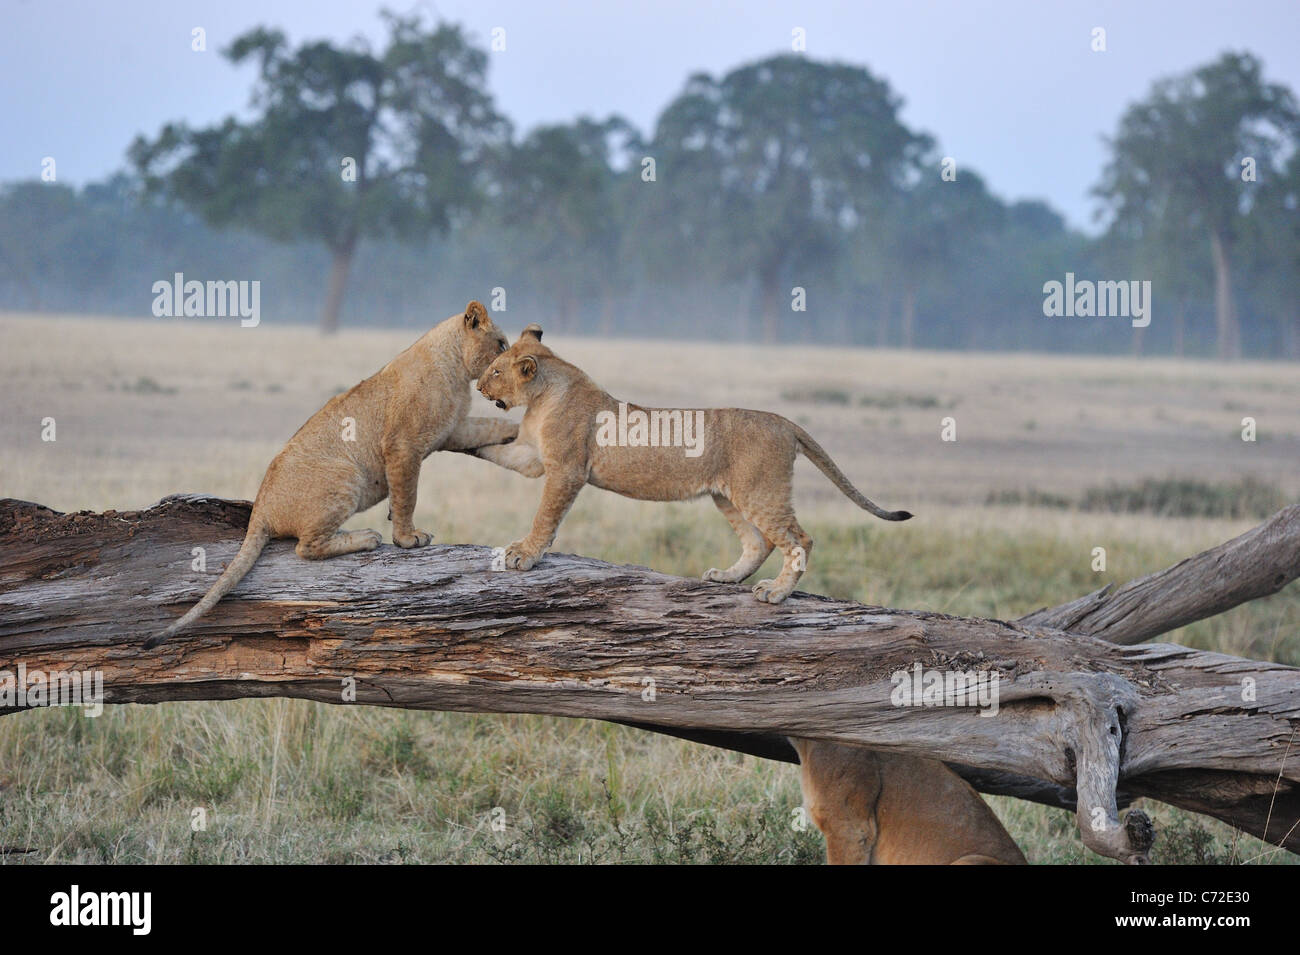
1053	457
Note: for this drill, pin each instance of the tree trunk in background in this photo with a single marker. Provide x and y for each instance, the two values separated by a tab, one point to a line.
772	300
606	312
29	287
1137	342
339	268
882	326
1293	333
1225	315
908	316
1180	327
568	317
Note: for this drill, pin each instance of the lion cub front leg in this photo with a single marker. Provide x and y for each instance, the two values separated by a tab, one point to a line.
473	433
402	468
516	456
557	497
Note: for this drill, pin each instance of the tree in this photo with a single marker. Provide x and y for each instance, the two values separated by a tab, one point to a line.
1273	244
930	228
1180	273
346	144
40	232
61	248
1182	161
766	169
1033	242
560	197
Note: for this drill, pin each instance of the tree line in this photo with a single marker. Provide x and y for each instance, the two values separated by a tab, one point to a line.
783	201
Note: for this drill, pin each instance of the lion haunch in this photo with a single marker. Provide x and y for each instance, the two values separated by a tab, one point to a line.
574	434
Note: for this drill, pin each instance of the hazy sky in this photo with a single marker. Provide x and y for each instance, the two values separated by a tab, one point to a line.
1011	89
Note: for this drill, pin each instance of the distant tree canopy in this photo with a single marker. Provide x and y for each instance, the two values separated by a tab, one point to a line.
346	144
1187	167
785	183
562	199
772	168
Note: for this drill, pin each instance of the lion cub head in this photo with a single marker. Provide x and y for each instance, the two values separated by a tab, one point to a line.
480	340
514	376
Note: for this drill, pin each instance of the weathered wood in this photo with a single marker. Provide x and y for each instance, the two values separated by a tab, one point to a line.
437	629
1260	562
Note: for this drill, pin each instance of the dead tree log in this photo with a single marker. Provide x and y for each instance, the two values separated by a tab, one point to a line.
1258	563
437	629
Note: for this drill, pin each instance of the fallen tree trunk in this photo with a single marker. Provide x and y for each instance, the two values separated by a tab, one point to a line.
437	629
1258	563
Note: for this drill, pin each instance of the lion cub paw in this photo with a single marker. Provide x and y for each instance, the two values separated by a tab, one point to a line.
416	538
719	576
339	543
519	557
768	592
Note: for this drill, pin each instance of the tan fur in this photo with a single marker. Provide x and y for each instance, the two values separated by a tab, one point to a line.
746	464
878	808
416	404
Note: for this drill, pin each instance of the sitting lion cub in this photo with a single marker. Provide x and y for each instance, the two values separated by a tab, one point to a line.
576	434
367	444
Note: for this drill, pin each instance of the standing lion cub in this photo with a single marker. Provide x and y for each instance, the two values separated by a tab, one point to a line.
574	433
367	444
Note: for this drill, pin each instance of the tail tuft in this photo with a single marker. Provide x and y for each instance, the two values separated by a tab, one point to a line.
815	453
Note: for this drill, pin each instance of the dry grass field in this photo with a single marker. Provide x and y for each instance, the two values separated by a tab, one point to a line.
1054	456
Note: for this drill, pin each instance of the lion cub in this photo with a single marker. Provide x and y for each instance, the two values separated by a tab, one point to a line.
575	433
367	444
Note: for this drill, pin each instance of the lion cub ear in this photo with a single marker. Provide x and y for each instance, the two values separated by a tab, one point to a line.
533	331
527	367
475	314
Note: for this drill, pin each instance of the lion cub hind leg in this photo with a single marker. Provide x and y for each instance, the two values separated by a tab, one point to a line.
777	524
320	547
319	536
755	547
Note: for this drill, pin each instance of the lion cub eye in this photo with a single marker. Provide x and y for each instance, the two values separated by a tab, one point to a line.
501	346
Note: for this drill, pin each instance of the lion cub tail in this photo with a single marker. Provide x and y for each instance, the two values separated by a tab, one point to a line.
815	453
254	543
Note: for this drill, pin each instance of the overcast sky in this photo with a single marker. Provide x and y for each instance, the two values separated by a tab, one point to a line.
1011	89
